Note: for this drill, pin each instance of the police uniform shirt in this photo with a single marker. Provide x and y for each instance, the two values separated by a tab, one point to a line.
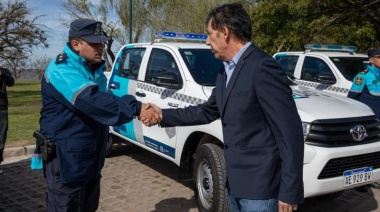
366	88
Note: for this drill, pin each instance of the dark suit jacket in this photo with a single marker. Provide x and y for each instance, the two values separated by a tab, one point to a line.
262	131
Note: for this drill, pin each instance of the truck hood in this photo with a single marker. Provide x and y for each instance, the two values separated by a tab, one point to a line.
313	104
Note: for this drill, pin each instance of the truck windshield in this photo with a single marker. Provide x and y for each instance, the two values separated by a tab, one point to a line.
202	65
350	66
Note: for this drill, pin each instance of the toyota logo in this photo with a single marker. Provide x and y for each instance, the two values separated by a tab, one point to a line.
358	133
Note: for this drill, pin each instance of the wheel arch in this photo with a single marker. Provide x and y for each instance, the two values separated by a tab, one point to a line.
195	140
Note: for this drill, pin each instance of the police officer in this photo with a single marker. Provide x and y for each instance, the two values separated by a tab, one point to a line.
366	84
75	116
366	88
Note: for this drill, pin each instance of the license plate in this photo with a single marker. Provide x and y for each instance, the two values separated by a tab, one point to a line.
357	176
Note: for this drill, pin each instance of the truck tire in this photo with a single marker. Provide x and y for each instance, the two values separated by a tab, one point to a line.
109	145
209	178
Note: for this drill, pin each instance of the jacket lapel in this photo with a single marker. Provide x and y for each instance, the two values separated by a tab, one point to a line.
233	78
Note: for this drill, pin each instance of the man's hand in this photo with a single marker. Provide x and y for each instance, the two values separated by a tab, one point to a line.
285	207
150	114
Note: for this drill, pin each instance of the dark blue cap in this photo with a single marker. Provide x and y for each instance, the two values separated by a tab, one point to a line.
89	30
375	52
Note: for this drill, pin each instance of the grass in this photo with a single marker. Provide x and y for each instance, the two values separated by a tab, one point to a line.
24	99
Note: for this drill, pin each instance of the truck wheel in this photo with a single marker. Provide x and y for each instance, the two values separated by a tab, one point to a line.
109	145
209	178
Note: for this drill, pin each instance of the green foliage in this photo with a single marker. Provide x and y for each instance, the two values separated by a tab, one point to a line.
284	25
24	111
188	15
278	25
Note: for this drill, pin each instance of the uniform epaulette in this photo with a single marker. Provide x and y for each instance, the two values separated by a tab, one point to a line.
364	71
61	58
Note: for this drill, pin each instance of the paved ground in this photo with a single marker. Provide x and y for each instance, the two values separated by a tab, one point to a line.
136	180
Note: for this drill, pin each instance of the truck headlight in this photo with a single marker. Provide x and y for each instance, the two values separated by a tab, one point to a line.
306	129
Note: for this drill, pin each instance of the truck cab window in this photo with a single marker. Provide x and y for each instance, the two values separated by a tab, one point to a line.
313	66
130	62
160	61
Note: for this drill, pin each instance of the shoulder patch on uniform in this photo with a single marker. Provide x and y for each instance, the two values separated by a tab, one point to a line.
364	71
374	82
358	80
61	58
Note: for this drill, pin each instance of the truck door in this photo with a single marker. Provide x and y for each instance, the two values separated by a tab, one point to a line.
316	73
161	60
125	82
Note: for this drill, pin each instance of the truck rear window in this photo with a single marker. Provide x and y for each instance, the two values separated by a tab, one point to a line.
350	66
288	62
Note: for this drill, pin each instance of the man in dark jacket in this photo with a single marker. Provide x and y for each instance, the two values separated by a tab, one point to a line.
262	131
6	79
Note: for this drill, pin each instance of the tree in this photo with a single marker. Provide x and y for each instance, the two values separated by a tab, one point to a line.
354	22
39	65
18	32
282	25
144	13
17	64
188	15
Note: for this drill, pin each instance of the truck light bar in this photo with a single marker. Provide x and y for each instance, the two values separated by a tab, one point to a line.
181	36
330	47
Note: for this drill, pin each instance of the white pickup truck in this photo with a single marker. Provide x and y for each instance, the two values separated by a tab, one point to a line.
327	68
342	148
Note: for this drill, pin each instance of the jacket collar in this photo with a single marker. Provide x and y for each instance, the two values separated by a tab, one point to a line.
96	69
374	70
234	76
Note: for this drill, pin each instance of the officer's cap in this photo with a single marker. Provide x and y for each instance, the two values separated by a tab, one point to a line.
375	52
89	30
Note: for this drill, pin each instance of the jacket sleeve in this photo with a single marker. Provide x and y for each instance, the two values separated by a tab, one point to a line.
80	94
275	98
193	115
357	87
107	108
6	76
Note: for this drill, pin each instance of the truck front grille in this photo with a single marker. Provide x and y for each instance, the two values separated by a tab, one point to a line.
336	132
336	167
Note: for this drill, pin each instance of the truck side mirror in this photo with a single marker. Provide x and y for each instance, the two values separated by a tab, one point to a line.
325	78
167	80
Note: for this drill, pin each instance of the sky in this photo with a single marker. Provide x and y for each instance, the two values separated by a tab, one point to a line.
57	33
53	14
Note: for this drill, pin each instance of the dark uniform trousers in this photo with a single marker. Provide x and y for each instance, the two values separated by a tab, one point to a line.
71	197
3	131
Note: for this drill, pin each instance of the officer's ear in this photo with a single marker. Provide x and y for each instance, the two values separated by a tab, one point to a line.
75	44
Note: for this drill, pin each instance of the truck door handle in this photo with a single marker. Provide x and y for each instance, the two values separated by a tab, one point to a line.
112	86
140	94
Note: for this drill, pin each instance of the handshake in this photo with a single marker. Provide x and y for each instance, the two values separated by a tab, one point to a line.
150	114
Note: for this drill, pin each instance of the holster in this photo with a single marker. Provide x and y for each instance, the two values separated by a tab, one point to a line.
46	147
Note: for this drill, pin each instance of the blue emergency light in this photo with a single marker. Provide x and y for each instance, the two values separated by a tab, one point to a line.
330	47
181	36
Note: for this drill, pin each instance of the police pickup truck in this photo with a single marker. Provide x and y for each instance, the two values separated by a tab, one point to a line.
327	68
342	148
